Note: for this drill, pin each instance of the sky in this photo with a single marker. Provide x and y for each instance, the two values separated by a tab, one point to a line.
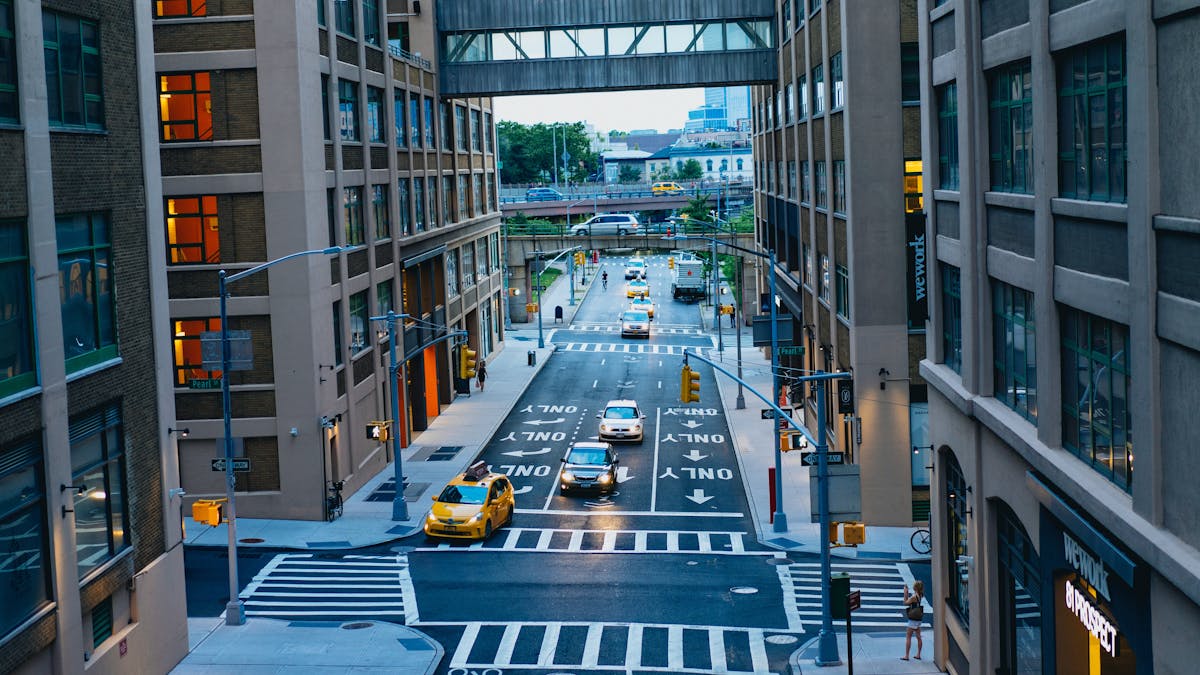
621	110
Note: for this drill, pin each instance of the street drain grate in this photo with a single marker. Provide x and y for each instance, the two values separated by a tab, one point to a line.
781	639
444	453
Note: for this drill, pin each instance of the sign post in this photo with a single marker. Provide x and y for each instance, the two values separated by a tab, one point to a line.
853	602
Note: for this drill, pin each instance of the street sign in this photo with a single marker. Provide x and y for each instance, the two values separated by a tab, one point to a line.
791	351
810	458
241	354
239	463
214	383
854	600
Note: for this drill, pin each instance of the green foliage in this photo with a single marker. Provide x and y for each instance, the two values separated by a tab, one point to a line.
529	152
519	218
697	208
629	174
691	170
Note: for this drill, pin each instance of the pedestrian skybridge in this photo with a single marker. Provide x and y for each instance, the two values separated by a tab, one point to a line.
512	47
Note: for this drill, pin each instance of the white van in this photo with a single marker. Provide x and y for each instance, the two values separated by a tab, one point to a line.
609	223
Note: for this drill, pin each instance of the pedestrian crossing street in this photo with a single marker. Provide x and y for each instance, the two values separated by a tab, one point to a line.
628	647
333	587
622	348
604	541
881	584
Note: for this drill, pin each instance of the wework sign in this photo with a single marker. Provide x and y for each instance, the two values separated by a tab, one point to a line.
915	253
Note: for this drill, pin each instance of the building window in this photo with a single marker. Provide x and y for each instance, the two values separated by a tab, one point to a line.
910	73
481	258
958	545
356	231
185	107
822	185
951	317
452	273
189	359
16	320
75	94
460	128
359	322
476	145
85	282
791	169
1013	356
818	82
843	292
1020	596
370	9
399	108
914	190
383	296
708	166
414	118
320	13
173	8
102	622
823	290
381	212
1096	423
348	110
343	16
802	97
193	230
9	110
494	248
491	192
1091	121
789	103
24	556
805	193
375	115
98	467
477	193
325	105
487	132
740	164
444	111
447	191
435	211
468	265
429	122
405	216
331	215
419	203
338	359
1010	128
839	185
462	196
947	107
835	75
806	269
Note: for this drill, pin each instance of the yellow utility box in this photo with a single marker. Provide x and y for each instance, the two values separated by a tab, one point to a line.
208	511
531	307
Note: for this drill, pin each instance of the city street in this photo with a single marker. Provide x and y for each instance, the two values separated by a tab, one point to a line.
665	574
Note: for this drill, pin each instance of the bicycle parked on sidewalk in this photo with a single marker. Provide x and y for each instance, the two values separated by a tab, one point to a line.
333	500
921	541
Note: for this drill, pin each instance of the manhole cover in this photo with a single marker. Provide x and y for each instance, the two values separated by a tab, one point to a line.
357	625
782	639
778	561
251	540
743	590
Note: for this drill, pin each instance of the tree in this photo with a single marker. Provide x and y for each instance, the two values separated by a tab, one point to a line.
629	174
691	170
697	208
527	151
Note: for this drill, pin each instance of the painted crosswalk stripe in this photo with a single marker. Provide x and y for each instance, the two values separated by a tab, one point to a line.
303	585
604	541
879	583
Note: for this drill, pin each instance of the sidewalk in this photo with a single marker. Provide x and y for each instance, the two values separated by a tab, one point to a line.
874	654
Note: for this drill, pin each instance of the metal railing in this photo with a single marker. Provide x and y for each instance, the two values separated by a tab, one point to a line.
410	57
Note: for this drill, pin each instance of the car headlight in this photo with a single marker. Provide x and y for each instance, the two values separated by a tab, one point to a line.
430	518
605	478
603	427
476	518
568	476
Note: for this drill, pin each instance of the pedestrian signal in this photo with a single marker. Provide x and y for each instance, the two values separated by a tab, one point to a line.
689	386
466	363
208	511
379	431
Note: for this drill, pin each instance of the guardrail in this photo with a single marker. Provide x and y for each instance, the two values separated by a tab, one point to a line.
628	194
545	229
410	57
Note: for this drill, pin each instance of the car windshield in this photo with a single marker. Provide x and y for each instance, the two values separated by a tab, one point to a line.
637	284
636	316
463	494
620	412
592	456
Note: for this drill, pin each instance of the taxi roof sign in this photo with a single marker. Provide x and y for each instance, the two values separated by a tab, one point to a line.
477	471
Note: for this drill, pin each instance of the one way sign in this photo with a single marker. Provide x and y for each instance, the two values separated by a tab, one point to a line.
239	463
811	458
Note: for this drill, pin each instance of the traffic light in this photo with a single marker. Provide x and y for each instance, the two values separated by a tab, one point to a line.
208	511
466	363
671	263
580	257
689	386
379	430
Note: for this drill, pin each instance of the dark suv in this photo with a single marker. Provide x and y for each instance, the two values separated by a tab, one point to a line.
588	466
542	195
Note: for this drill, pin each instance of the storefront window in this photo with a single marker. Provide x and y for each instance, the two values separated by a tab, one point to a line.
1020	595
957	548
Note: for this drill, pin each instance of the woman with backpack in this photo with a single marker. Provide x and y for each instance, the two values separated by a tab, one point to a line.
915	613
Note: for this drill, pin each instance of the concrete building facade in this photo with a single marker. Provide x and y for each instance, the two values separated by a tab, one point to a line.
1064	334
90	557
287	127
837	154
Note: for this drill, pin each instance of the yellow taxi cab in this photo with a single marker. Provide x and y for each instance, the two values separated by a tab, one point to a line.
643	304
472	505
636	288
666	188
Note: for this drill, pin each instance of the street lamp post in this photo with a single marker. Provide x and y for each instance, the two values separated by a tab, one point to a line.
539	253
399	506
235	611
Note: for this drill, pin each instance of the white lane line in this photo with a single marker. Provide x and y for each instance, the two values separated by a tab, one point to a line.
507	643
594	383
411	613
591	646
544	538
511	539
789	608
628	514
716	650
549	497
465	643
654	478
549	644
633	647
675	647
576	541
758	651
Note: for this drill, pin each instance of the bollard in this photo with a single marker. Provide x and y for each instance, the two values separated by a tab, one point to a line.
531	357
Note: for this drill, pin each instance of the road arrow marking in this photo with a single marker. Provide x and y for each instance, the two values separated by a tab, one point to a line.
698	496
624	385
527	453
692	424
623	474
523	490
526	409
541	422
694	455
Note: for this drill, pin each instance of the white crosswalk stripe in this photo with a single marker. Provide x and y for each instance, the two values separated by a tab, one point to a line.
610	646
604	541
660	328
881	584
311	587
623	348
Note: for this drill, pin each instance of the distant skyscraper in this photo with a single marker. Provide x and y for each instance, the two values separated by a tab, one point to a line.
724	108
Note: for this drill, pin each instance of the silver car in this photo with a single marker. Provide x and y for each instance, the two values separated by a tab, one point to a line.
609	223
622	420
635	323
588	466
